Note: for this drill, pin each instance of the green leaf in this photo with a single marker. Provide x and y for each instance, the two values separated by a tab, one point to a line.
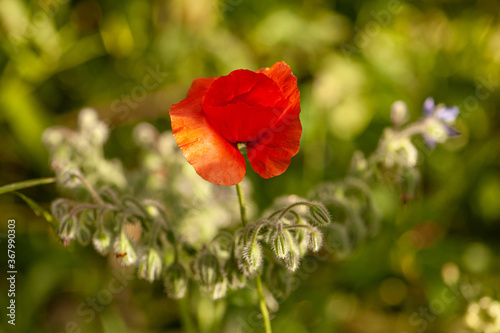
25	184
37	209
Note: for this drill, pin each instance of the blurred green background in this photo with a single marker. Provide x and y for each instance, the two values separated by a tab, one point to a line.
433	259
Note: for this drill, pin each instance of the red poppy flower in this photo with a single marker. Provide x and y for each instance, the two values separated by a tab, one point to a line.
258	108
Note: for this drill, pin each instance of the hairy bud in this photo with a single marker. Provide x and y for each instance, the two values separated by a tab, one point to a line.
150	267
235	277
320	214
292	261
176	281
83	234
101	240
125	250
399	113
67	230
208	270
252	253
315	240
220	288
280	241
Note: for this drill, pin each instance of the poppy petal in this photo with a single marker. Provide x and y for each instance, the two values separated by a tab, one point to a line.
241	104
282	74
213	158
270	155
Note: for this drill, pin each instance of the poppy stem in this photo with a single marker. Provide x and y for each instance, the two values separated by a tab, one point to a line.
242	204
262	302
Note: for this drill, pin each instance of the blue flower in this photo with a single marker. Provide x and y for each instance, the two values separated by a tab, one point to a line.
438	120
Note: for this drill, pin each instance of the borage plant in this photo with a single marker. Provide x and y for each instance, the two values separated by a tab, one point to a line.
175	227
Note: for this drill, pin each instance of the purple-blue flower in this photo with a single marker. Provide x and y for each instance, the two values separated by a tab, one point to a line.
438	120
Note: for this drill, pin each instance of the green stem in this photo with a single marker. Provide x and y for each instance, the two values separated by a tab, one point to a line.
263	306
296	226
305	203
89	187
258	280
410	130
25	184
187	321
242	204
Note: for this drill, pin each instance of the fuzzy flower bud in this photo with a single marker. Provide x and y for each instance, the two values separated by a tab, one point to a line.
67	231
235	277
176	281
150	267
83	234
208	270
321	215
292	261
399	113
281	241
92	129
315	240
252	254
101	240
220	289
125	249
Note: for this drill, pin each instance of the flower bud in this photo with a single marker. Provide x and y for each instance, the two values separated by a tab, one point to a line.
399	113
67	230
302	237
101	240
91	128
315	240
208	270
252	254
235	277
83	234
293	259
220	289
320	214
281	241
125	249
176	281
59	208
150	267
